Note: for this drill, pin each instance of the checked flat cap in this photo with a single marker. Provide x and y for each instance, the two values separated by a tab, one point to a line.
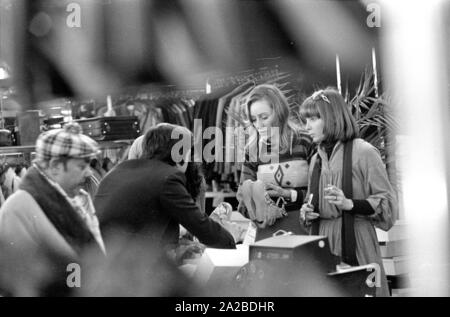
66	142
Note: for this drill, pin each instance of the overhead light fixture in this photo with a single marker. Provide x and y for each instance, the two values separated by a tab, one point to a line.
4	73
4	83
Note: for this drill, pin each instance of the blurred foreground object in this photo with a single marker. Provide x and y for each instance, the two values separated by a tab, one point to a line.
287	265
291	265
5	135
134	267
409	27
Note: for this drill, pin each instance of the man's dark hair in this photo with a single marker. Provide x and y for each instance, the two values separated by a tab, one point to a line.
194	179
160	140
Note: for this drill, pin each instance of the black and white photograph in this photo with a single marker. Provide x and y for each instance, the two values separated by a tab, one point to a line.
224	153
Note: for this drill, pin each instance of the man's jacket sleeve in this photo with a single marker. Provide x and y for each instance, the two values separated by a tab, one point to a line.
181	207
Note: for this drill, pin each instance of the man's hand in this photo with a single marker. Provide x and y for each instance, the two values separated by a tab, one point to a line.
222	212
186	250
235	230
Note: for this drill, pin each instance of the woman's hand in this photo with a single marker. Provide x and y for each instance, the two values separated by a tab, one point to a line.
335	196
277	191
307	214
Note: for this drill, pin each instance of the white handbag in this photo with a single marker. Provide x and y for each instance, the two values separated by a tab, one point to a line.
289	174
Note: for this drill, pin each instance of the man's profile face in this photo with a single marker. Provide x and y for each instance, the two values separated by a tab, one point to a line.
69	177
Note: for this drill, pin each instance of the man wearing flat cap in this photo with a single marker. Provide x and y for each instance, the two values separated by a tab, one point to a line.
50	211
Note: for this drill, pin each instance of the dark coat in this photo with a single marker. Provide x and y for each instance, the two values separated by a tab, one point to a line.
150	197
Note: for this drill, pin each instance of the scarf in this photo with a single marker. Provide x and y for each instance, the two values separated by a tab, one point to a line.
328	147
315	180
348	238
58	210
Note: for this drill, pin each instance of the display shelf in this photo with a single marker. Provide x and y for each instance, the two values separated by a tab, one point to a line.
31	148
397	232
24	151
396	265
114	144
27	150
17	149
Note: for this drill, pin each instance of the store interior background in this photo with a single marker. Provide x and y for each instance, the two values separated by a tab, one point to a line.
62	53
123	45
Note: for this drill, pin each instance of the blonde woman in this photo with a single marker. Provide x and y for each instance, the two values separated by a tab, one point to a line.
274	176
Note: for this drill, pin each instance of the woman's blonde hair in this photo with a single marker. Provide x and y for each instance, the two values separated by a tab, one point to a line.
280	106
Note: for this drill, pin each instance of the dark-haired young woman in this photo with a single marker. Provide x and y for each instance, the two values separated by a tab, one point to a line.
346	211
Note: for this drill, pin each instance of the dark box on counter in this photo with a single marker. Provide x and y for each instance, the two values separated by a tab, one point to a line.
111	128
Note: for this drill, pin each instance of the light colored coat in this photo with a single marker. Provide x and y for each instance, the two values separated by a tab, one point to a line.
370	182
23	224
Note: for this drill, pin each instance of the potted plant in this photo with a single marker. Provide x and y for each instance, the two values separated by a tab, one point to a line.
376	121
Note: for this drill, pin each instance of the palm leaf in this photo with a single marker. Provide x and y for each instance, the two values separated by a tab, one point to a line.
375	120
